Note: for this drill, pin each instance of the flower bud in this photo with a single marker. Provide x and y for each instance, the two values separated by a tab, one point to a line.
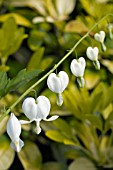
14	131
110	28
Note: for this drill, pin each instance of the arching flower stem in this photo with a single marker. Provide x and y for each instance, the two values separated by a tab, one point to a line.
53	69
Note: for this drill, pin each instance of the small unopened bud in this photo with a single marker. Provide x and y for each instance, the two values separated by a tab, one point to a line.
110	28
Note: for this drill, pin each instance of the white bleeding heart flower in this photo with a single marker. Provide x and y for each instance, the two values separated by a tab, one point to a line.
78	68
92	54
57	84
100	36
36	111
14	131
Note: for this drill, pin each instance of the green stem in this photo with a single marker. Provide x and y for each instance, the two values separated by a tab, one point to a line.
53	69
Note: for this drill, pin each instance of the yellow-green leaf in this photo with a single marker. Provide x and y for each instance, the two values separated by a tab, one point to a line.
3	125
6	153
30	156
54	165
20	20
82	164
76	26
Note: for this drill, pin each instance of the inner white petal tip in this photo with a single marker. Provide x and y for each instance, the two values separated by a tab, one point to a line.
17	145
52	118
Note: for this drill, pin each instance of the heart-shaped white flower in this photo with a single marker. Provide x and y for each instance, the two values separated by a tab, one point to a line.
100	36
14	131
92	53
78	67
37	110
57	84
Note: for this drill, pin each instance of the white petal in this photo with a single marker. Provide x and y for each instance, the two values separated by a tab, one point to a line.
43	106
13	127
78	67
38	20
102	35
17	145
54	83
24	122
52	118
59	99
29	108
64	79
82	61
92	53
37	129
65	7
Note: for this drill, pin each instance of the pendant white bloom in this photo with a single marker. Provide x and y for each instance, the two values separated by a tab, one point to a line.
100	37
92	54
36	111
14	131
78	68
57	84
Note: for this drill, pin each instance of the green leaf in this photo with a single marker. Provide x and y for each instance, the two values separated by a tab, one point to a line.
72	96
18	18
109	122
36	39
19	36
95	121
3	82
22	78
30	156
74	153
1	2
64	127
46	62
76	26
54	165
6	153
11	38
55	135
87	137
36	58
108	64
97	94
59	137
82	164
91	79
3	125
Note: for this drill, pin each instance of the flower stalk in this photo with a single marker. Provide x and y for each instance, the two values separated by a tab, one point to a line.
53	69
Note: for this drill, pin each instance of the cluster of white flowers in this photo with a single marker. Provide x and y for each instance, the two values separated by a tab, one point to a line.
37	110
